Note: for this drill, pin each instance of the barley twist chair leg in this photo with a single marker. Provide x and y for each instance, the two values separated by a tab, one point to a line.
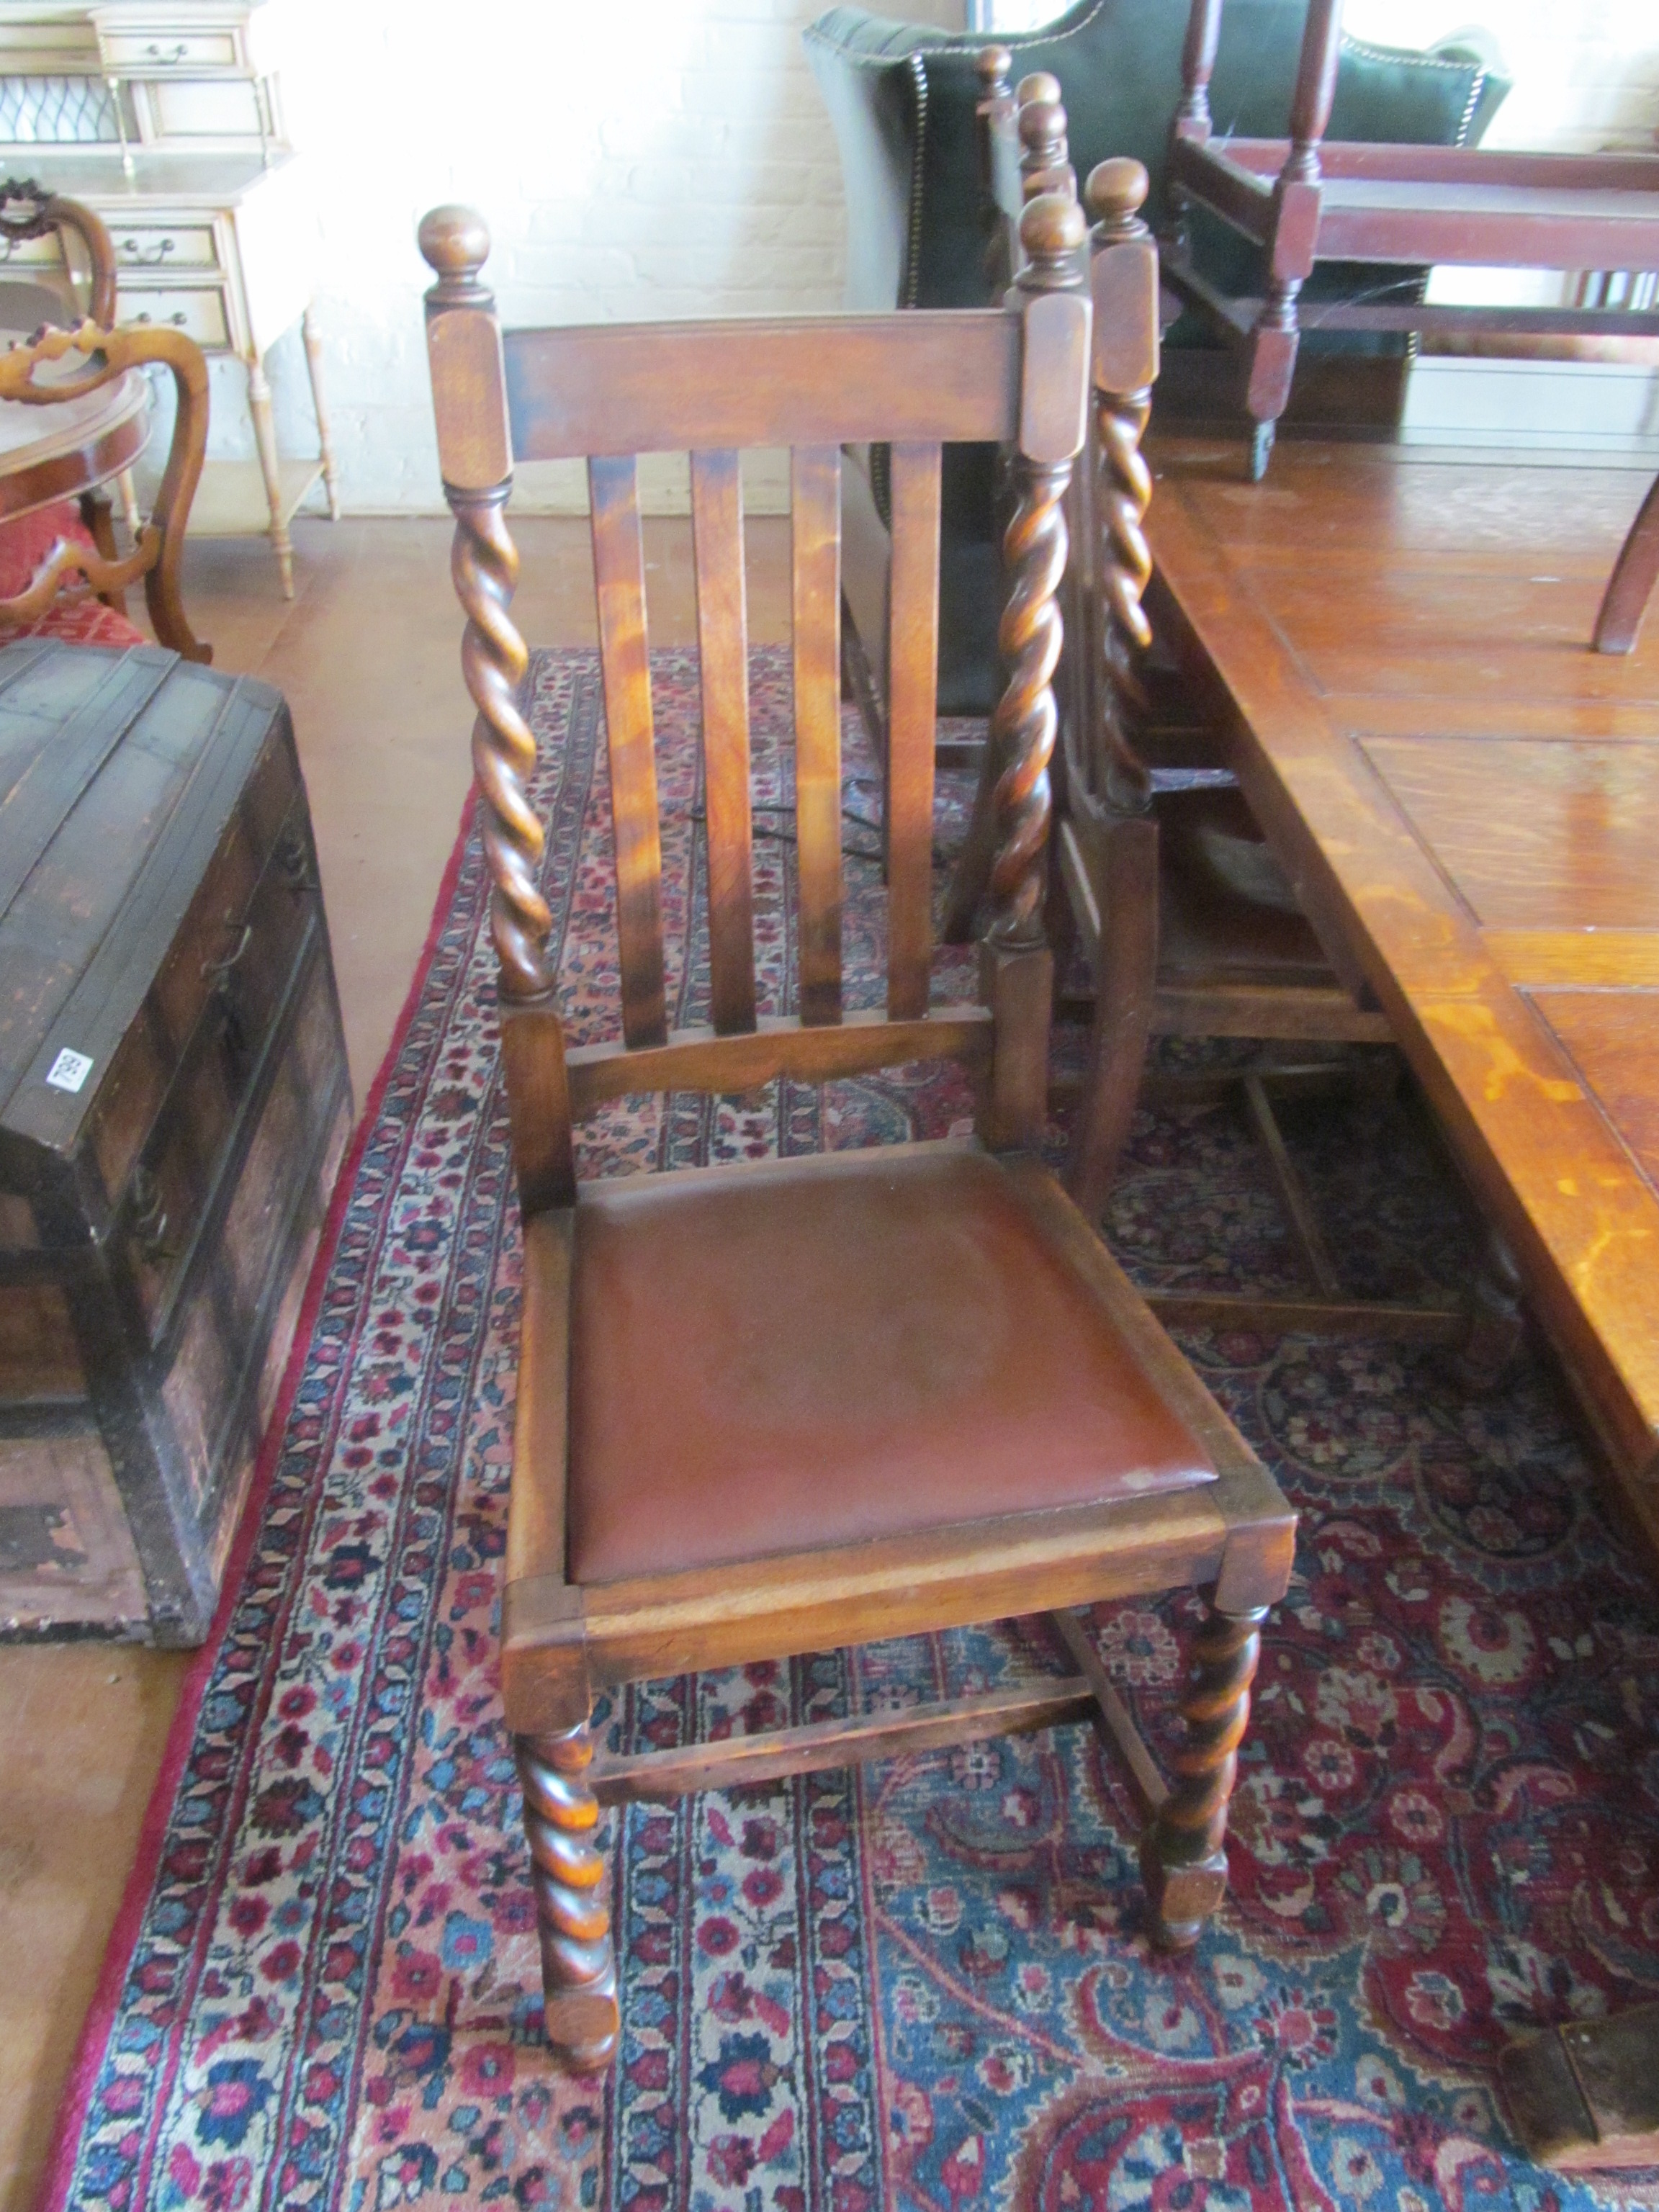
579	1963
1183	1851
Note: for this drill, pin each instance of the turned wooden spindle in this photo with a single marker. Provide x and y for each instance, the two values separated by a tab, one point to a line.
1183	1851
994	127
1038	86
1316	89
579	1963
1115	193
1198	54
475	453
1021	733
1045	161
1114	784
991	66
1297	197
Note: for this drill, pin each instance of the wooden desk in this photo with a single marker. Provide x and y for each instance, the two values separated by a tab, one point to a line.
1468	800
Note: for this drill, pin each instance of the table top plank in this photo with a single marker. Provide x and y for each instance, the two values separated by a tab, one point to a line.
1472	800
1590	957
1531	834
1612	1038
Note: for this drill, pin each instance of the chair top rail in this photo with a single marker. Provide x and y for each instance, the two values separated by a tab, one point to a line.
1385	161
748	381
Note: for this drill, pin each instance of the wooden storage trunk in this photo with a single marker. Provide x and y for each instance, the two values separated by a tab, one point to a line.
173	1104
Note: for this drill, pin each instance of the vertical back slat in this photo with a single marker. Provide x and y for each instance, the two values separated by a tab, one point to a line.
913	683
815	511
723	651
619	583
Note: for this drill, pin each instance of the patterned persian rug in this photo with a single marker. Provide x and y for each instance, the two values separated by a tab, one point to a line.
929	1986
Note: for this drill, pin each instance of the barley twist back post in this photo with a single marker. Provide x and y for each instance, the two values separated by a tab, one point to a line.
573	1916
1016	967
475	451
1109	783
1183	1850
1124	275
1045	160
999	184
994	106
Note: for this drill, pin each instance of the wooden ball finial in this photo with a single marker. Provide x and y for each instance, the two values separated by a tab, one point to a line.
1051	229
1043	124
993	64
1039	88
1116	189
455	241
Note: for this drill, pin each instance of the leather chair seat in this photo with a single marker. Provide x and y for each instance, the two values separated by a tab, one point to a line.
835	1349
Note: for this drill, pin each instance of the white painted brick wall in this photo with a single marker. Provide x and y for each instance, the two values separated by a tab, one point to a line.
634	159
638	159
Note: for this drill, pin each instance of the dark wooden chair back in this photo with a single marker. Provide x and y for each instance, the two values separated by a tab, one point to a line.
1016	374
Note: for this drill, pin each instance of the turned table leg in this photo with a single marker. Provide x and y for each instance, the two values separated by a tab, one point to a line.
1631	584
1183	1854
579	1964
326	443
129	492
265	437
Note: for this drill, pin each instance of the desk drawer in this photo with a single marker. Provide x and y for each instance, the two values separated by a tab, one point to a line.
168	53
181	245
199	311
30	253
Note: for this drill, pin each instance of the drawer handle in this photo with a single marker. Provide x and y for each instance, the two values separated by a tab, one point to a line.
155	254
149	1219
294	862
178	319
221	969
167	55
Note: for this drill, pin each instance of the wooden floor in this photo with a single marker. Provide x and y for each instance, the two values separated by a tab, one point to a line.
367	655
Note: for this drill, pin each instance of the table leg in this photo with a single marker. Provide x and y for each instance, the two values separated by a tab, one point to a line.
1631	584
264	435
314	363
129	492
95	514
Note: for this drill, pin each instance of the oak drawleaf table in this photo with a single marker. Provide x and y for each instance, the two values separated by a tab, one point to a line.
1395	644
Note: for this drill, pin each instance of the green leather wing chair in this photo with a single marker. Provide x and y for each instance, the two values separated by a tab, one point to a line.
902	98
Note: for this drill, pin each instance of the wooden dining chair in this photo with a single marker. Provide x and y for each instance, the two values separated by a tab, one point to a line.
783	1406
1159	873
58	552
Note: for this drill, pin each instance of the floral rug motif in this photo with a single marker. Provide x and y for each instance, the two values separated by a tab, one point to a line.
926	1986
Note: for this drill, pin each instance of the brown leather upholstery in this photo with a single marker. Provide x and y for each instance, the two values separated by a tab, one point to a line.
820	1351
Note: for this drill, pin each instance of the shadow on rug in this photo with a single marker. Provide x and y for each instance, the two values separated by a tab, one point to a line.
926	1986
